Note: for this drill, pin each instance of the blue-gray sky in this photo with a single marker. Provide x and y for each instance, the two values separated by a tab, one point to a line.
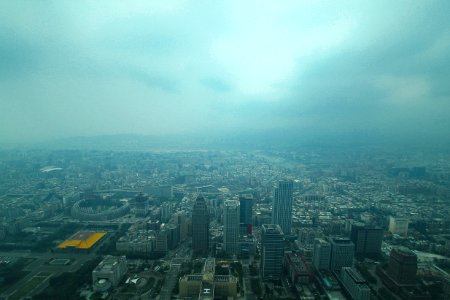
81	68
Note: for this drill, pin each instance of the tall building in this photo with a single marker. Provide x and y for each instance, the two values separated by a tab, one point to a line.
398	225
342	253
161	243
354	284
272	251
141	205
246	211
322	254
181	221
200	226
231	227
402	266
282	205
166	211
367	239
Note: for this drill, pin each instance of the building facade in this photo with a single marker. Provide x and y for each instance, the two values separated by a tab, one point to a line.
367	240
109	272
200	226
321	254
272	251
354	284
342	253
246	212
231	227
402	266
398	226
282	205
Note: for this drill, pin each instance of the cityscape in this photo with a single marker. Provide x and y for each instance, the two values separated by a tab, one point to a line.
314	224
211	150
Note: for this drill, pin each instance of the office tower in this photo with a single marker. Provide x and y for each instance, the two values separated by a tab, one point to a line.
342	253
200	226
162	240
173	236
398	226
246	211
282	206
231	227
367	239
166	211
355	284
272	251
141	205
402	266
182	221
322	254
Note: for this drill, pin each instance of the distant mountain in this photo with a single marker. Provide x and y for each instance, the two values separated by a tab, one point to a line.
249	140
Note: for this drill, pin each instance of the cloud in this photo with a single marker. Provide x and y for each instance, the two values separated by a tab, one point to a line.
104	67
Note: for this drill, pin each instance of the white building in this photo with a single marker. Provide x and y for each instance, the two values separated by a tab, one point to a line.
109	272
398	226
355	284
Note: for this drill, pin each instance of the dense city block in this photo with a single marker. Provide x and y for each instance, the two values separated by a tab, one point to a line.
312	224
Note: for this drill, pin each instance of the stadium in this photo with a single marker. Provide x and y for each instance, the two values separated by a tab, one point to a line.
99	209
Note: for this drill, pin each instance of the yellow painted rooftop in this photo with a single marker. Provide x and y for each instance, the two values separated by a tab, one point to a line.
82	240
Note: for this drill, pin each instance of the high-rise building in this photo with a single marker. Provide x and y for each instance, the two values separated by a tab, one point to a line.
200	226
367	239
398	225
272	251
181	221
322	254
161	243
342	253
282	205
354	284
141	205
402	266
166	211
173	235
231	227
246	211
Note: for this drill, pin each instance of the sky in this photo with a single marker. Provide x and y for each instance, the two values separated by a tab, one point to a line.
87	68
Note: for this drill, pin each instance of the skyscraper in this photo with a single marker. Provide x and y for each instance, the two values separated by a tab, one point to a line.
398	225
246	211
272	251
402	266
182	221
141	205
322	254
354	283
367	239
282	205
231	226
200	226
342	253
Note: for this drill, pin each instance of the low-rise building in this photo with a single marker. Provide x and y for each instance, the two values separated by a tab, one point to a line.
109	272
208	285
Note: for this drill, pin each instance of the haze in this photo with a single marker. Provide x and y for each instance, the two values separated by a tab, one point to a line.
88	68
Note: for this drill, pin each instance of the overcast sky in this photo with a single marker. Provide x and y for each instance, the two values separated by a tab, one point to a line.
82	68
